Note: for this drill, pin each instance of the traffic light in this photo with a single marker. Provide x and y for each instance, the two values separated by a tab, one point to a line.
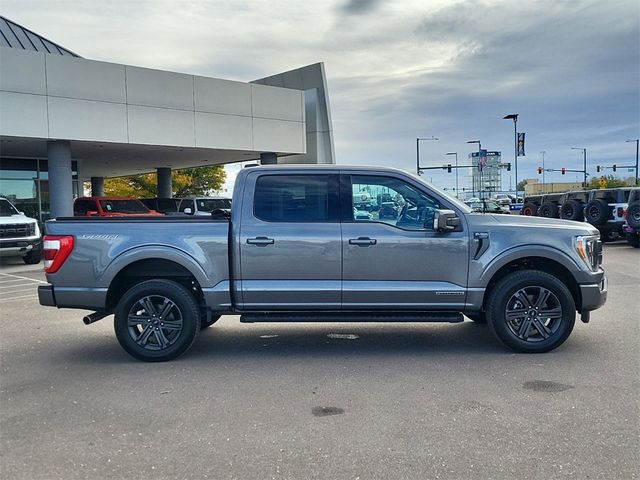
449	168
509	167
598	168
615	167
563	170
539	170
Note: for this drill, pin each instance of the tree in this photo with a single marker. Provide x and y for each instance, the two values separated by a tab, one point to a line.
521	185
188	181
611	182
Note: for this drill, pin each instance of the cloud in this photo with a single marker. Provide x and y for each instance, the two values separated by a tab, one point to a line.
359	7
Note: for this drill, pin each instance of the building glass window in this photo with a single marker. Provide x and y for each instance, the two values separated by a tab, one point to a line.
25	182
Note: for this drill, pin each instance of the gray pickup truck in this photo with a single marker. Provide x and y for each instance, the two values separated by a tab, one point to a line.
294	250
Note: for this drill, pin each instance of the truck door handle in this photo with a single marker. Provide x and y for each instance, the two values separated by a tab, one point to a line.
260	241
363	241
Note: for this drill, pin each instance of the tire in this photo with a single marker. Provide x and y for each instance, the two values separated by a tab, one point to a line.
572	210
148	304
633	215
529	209
548	210
206	324
33	257
633	239
479	317
514	325
597	212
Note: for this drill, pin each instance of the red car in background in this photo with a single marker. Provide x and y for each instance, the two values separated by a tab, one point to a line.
111	207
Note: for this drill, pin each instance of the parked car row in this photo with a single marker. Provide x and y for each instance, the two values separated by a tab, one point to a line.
125	206
606	209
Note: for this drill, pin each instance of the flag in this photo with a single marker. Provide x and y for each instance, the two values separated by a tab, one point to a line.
521	145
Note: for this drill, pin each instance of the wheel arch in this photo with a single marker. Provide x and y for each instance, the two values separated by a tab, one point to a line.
142	264
548	260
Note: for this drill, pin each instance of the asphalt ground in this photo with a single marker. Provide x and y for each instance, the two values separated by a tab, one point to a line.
325	401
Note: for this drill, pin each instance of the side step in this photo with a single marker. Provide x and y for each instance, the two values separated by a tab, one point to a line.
449	317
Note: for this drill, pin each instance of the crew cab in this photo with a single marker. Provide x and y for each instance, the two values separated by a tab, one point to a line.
295	250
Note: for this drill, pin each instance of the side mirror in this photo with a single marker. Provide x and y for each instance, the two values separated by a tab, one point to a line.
187	211
445	220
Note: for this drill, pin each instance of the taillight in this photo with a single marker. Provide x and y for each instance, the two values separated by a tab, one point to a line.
55	250
620	212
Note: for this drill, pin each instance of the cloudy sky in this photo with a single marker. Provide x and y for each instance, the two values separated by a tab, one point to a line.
399	70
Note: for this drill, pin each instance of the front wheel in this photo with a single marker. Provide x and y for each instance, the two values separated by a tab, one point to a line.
157	320
531	311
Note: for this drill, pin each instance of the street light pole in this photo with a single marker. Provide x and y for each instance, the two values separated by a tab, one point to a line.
418	152
514	117
637	142
456	154
584	159
544	185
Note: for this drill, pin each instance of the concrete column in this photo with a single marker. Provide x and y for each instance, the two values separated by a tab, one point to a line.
268	158
60	178
164	182
97	186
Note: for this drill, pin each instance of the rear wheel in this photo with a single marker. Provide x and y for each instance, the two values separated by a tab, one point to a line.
157	320
548	210
571	210
33	257
529	209
596	212
531	311
633	214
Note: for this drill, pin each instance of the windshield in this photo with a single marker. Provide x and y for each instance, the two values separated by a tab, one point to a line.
6	209
123	206
211	204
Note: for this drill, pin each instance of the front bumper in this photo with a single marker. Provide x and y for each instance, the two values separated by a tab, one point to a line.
19	246
594	295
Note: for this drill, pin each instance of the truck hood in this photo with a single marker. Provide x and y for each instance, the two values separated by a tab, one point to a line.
519	222
16	220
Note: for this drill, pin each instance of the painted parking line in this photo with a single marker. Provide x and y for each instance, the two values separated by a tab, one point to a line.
3	275
16	285
20	297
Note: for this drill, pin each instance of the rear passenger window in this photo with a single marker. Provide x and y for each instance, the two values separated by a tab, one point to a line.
296	198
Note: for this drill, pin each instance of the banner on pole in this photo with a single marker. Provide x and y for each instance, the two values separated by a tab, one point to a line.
521	145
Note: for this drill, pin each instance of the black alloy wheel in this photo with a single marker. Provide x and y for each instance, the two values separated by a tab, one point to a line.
531	311
157	320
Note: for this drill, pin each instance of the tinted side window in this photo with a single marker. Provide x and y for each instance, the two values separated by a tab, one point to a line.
392	201
296	198
186	204
81	207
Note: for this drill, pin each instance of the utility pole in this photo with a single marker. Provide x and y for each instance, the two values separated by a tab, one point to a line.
544	187
584	158
637	142
456	154
514	117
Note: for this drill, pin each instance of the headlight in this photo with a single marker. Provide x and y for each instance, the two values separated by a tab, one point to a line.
589	249
32	229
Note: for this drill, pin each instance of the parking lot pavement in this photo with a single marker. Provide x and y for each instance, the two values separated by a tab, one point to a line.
321	401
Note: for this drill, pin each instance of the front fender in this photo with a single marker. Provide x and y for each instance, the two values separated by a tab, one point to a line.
484	272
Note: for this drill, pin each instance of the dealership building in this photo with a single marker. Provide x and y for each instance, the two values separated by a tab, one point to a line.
65	120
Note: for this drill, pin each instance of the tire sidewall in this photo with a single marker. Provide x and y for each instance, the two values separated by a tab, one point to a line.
182	299
513	282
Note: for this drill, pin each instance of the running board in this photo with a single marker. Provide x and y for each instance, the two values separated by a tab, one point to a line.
448	317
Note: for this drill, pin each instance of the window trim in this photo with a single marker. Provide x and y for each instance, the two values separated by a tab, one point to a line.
333	193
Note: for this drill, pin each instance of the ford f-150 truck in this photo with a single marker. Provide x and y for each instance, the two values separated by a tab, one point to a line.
294	251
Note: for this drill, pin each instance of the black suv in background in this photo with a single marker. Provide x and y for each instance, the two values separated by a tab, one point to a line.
572	205
547	205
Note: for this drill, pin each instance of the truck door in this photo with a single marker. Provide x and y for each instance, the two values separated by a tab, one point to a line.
290	242
393	259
